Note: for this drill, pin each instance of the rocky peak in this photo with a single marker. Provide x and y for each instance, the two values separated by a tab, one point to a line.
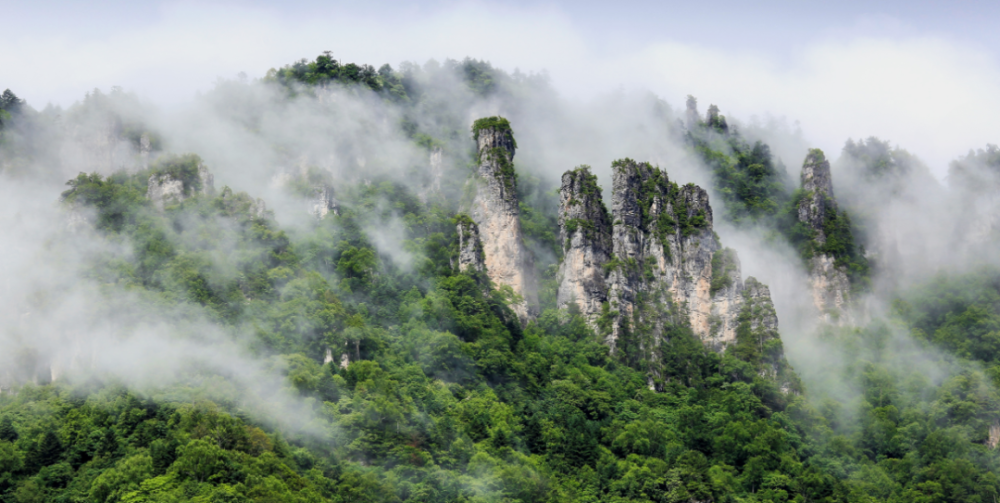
585	232
659	263
818	185
177	178
496	146
829	282
496	212
816	173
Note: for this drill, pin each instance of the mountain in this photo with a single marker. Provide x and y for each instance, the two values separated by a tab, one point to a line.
339	284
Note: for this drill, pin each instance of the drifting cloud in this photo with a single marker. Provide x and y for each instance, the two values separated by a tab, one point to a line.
928	94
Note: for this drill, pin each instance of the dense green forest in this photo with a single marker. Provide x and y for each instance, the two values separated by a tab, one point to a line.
443	395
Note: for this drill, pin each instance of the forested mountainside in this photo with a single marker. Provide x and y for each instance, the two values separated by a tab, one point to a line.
346	284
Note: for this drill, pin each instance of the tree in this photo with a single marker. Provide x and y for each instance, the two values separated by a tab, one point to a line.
48	451
7	430
10	102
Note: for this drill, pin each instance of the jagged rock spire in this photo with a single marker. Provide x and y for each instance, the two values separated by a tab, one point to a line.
658	264
828	281
818	184
496	212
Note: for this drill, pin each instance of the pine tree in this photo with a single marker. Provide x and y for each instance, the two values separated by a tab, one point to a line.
49	449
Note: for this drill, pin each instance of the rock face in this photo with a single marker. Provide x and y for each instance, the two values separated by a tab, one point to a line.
817	182
829	283
495	211
164	188
657	264
321	202
470	248
585	232
830	287
241	202
663	244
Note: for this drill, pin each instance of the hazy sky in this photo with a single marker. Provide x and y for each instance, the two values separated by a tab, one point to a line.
925	75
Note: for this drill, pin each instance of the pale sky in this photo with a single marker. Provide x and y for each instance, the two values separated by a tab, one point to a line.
924	75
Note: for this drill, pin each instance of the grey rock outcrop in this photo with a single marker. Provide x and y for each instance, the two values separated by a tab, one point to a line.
470	248
585	233
321	202
818	184
164	188
241	202
496	212
830	287
828	282
659	263
663	243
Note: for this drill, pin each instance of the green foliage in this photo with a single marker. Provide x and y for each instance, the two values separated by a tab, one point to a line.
894	433
977	171
444	386
499	125
752	185
325	70
724	264
960	313
180	167
446	397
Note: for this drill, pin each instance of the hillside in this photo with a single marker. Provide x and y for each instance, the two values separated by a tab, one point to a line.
346	284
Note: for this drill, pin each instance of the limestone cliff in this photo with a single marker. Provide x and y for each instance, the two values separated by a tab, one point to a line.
828	282
585	232
658	264
819	198
496	212
170	184
663	243
321	201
